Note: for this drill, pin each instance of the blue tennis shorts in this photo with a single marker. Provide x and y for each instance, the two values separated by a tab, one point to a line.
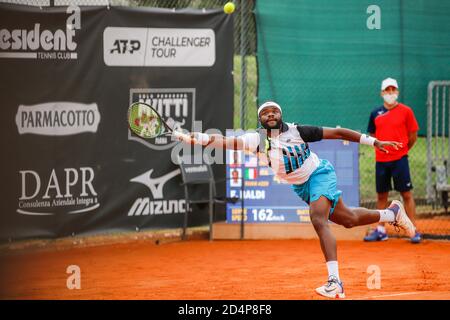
322	182
398	171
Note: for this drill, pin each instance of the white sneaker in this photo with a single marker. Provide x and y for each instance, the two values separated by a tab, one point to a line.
332	289
402	219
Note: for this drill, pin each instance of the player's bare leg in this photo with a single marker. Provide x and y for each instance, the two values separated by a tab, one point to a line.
410	204
379	234
349	217
352	217
319	211
382	202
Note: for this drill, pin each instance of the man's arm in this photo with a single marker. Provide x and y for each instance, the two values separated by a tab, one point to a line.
351	135
371	128
341	133
412	126
412	138
220	141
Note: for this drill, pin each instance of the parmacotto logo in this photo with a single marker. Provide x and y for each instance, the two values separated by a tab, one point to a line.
40	42
57	118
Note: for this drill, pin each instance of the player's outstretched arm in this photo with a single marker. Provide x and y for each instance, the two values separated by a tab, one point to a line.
351	135
214	140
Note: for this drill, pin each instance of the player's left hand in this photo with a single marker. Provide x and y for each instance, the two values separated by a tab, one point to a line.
381	145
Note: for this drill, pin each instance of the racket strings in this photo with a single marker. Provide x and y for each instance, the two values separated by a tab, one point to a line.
144	121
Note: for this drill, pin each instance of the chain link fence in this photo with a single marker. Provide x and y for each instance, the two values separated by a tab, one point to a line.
324	63
246	92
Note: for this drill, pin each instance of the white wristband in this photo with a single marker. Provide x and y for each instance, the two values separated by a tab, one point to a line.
368	140
202	138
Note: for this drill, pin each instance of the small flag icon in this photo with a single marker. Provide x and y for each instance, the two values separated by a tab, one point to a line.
251	173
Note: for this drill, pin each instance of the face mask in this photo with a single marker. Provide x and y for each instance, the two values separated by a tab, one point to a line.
390	98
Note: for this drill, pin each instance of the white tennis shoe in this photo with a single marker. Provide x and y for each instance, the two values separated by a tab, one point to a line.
401	218
332	289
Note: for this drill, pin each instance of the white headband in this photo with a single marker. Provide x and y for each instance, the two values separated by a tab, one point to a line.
269	104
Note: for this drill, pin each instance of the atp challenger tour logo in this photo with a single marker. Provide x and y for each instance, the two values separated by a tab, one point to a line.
145	206
48	193
176	106
39	42
159	47
57	118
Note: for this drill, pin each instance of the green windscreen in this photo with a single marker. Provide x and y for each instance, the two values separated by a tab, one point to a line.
320	61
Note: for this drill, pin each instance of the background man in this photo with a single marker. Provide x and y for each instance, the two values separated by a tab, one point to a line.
393	121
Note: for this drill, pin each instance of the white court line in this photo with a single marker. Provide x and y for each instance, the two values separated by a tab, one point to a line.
391	295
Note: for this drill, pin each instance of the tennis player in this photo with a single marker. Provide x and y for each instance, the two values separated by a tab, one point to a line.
312	179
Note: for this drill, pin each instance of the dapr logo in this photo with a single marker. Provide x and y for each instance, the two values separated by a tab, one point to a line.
157	206
176	106
42	43
70	189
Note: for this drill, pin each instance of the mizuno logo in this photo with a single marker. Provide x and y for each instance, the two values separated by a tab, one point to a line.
155	185
156	206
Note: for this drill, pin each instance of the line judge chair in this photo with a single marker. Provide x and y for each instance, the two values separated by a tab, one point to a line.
200	174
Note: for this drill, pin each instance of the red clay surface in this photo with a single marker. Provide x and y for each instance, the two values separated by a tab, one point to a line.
284	269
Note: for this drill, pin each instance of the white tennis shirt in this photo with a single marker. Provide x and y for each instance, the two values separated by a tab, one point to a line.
288	153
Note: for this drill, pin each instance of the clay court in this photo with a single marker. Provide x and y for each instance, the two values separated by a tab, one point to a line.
199	269
100	174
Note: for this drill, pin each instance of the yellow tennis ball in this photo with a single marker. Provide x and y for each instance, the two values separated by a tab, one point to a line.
228	8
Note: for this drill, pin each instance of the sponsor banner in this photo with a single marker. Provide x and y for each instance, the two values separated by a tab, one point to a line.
162	47
268	200
42	40
71	165
158	203
70	190
58	118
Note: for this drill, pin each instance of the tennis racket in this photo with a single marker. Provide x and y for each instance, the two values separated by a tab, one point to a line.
147	123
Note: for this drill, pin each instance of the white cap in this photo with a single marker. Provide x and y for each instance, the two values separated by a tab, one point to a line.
269	104
388	82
